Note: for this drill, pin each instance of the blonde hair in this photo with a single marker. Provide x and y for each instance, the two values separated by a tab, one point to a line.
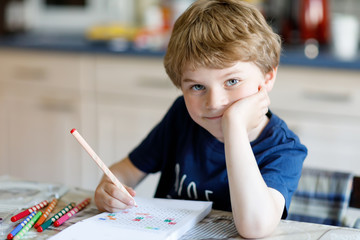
216	33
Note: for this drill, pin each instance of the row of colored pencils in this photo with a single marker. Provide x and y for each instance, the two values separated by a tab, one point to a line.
36	218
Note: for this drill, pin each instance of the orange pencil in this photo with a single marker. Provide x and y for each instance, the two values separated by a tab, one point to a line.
46	213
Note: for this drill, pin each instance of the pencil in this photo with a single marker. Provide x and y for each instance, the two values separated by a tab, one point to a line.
46	213
28	226
99	162
72	212
20	226
59	214
30	210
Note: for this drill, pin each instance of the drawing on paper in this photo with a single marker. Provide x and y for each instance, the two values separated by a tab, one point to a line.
143	218
154	218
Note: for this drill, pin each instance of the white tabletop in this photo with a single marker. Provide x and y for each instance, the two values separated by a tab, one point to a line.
217	225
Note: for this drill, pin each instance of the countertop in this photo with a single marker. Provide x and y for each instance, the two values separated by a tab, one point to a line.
291	55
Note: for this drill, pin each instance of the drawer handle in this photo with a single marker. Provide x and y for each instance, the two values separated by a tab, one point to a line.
327	96
30	74
57	105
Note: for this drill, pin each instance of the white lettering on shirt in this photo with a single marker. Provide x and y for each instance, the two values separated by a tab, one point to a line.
207	192
191	188
181	184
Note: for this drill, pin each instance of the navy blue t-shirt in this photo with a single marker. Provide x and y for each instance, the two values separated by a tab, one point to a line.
192	161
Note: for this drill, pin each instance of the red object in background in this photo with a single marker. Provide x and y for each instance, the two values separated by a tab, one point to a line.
314	20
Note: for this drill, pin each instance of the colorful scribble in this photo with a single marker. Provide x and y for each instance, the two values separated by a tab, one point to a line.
150	219
170	221
152	228
138	219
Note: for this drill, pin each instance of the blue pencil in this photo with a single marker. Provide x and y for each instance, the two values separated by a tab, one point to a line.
20	226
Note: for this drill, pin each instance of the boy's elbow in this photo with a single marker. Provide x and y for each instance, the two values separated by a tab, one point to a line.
255	229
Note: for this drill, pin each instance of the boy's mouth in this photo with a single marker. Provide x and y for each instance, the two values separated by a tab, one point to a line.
214	118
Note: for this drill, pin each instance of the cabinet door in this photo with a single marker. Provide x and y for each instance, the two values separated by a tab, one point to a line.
40	100
39	142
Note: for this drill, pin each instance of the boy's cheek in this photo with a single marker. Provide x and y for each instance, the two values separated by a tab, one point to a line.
245	94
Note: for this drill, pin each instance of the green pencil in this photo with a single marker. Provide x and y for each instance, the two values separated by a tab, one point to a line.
46	224
28	226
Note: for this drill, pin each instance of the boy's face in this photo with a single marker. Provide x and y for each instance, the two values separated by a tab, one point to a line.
209	92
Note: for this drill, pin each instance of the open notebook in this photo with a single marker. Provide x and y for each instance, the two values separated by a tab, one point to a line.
154	218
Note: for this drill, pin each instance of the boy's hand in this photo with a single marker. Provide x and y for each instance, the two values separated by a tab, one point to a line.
109	198
247	112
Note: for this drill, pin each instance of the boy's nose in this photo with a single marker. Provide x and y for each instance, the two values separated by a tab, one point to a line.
215	100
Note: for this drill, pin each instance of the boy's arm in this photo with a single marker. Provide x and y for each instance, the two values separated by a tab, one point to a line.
110	198
257	209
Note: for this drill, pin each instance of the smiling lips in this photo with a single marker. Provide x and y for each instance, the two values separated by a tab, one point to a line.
214	118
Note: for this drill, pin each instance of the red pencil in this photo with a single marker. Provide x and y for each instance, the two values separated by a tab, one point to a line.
72	212
30	210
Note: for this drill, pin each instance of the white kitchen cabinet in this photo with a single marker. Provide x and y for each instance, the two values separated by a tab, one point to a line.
112	101
323	107
41	97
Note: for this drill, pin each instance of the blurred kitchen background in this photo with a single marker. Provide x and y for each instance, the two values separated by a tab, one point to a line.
96	65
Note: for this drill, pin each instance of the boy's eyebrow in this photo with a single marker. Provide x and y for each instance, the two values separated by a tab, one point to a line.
233	72
236	71
186	80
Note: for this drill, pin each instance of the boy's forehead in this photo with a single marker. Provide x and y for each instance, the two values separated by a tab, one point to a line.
234	66
238	67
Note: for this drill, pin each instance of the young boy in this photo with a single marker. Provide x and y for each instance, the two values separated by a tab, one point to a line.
219	142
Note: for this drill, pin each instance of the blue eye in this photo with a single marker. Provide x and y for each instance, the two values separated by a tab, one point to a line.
231	82
198	87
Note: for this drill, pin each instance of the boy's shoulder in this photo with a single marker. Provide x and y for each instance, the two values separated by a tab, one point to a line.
278	125
178	106
177	115
277	133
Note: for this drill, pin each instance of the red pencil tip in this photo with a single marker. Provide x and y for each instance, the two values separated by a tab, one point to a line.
36	225
14	219
72	130
39	229
56	224
10	236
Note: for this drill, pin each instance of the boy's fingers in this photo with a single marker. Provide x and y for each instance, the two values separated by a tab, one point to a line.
131	191
113	205
119	199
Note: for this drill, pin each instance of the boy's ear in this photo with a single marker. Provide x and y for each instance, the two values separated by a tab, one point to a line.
270	79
